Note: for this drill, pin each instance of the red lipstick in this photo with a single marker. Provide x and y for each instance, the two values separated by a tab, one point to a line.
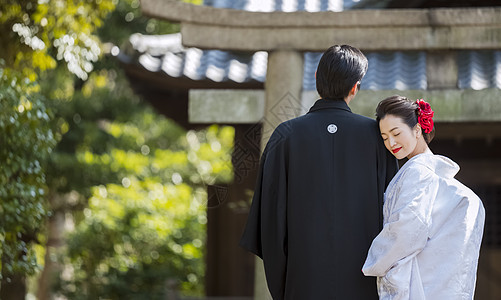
396	150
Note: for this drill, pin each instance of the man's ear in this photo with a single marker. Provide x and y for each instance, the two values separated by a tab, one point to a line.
353	90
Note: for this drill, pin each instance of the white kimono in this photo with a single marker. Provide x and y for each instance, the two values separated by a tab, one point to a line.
430	242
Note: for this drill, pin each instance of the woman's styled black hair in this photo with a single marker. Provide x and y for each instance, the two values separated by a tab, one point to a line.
403	108
338	70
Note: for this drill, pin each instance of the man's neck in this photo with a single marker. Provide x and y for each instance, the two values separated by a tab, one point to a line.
348	99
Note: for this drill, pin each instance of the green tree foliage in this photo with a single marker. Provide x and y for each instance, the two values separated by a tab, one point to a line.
37	34
140	180
140	218
26	139
143	225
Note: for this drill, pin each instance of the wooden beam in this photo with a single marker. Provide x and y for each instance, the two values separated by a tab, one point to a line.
377	38
177	11
459	131
480	172
451	106
374	30
226	106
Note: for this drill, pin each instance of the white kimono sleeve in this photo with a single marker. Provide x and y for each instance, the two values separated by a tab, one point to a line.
406	227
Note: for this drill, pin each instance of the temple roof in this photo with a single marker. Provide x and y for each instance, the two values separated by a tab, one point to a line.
401	70
163	70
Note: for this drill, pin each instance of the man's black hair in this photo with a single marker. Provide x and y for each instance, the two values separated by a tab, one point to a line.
338	70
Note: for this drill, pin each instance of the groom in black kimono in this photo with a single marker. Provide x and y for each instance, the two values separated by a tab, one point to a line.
318	200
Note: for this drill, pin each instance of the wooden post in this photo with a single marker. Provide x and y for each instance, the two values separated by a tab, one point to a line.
230	268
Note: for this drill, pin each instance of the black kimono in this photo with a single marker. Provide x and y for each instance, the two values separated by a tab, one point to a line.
317	204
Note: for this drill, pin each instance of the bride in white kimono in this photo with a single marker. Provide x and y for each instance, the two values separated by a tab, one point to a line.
433	224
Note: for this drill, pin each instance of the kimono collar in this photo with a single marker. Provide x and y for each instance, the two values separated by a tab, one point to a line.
440	165
329	104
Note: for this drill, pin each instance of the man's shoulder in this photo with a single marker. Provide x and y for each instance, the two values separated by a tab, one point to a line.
307	118
279	135
286	128
363	119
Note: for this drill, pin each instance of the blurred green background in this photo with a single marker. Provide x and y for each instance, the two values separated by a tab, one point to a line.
101	197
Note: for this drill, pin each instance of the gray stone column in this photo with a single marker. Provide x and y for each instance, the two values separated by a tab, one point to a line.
441	70
284	82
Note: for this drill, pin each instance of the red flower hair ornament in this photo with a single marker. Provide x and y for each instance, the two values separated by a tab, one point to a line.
425	115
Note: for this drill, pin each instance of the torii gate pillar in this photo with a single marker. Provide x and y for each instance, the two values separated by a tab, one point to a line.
284	81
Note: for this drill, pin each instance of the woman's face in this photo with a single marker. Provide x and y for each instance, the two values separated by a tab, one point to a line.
399	138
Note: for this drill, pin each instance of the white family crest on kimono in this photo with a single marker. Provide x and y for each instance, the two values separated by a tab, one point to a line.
430	242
